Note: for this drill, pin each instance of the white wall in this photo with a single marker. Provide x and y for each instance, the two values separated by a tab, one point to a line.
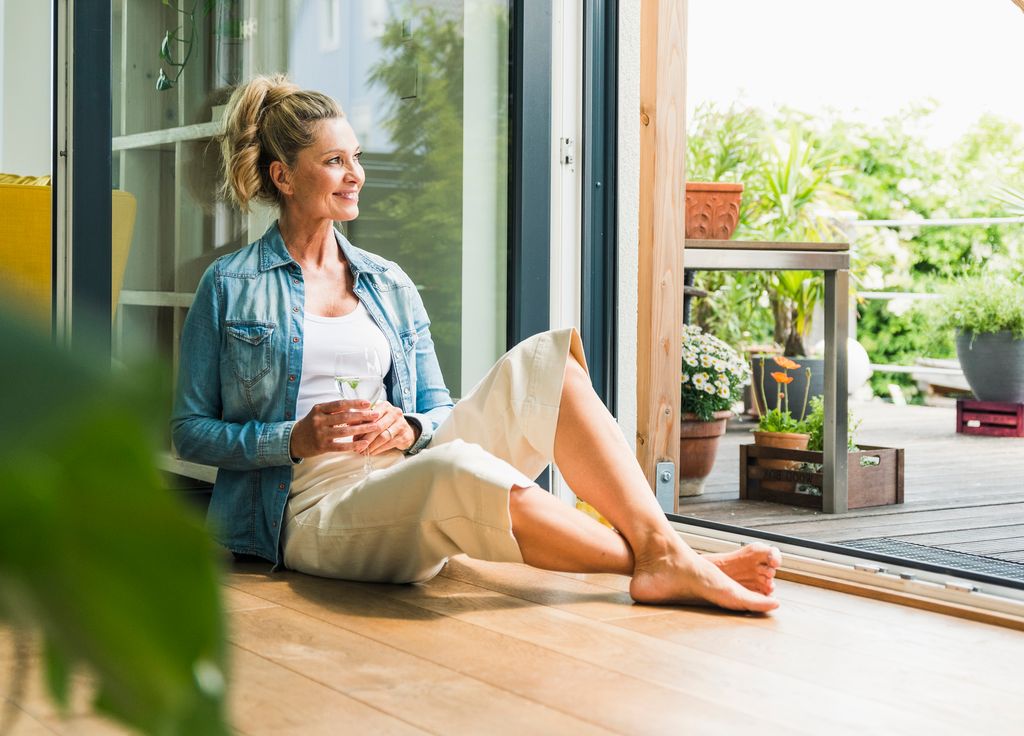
628	212
25	87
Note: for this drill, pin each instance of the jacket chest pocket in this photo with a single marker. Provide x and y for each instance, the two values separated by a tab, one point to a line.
249	349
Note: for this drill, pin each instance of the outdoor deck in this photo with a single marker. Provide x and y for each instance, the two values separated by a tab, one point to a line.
962	492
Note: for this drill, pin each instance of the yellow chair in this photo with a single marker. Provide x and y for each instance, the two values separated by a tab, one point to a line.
25	249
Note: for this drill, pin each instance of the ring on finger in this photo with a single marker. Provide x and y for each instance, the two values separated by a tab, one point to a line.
390	436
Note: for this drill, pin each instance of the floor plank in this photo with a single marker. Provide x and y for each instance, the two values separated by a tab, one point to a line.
944	490
431	697
491	648
565	683
708	676
268	698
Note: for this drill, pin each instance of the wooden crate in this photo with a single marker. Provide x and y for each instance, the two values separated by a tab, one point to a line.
989	418
875	476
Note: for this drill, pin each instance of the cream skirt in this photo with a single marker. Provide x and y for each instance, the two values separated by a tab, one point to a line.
401	523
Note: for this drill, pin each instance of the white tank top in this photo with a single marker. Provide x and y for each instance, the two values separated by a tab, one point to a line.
324	336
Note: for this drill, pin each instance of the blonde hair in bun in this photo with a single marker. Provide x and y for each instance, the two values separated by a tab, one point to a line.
268	119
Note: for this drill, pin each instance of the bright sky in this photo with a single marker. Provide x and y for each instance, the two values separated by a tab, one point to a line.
865	57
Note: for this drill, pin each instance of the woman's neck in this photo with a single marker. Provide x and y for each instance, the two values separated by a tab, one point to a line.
311	244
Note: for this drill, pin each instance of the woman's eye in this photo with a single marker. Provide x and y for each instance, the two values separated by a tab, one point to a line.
358	156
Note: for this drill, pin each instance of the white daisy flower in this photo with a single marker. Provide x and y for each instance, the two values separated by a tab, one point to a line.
700	380
723	391
709	388
705	361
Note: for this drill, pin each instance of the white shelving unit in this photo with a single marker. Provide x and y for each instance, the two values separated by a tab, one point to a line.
165	154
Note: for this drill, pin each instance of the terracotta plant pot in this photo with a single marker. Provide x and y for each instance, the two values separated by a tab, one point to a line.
785	440
698	445
712	209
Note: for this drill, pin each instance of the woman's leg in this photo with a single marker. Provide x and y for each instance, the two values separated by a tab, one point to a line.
600	467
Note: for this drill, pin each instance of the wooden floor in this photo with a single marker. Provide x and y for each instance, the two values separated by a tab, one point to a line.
962	492
503	649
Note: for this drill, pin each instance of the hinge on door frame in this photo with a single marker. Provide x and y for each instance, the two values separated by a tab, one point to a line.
566	151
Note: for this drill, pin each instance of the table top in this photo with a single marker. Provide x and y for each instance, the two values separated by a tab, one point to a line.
739	255
764	245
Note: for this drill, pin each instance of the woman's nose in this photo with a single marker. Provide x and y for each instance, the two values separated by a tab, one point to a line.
354	173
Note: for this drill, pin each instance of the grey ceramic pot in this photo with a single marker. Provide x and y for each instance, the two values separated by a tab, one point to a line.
993	363
796	389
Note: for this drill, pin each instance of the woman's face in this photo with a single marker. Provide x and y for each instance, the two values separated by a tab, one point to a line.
327	176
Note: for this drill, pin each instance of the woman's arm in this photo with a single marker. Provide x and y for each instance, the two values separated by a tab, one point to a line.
433	401
198	430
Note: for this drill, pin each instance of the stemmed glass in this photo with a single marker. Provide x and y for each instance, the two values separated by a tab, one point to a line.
359	375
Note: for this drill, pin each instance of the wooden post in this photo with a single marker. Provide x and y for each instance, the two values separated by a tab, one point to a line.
661	238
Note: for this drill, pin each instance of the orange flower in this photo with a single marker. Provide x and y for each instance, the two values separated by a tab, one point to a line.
781	377
785	362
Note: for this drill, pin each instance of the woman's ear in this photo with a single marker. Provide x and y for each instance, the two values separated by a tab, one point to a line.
281	176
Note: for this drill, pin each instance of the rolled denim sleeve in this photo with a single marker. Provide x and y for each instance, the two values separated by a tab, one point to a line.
198	429
433	400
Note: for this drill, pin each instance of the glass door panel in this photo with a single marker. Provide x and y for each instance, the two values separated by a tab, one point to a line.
425	87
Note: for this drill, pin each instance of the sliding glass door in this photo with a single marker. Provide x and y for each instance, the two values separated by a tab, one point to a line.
425	86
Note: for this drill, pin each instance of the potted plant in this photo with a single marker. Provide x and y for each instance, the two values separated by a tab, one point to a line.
713	376
777	426
987	313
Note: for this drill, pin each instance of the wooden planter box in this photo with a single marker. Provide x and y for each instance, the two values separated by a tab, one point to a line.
989	418
875	477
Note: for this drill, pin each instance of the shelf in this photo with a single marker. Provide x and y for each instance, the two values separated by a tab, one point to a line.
157	138
173	464
134	298
758	245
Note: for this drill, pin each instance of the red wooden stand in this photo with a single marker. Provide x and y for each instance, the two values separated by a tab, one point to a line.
989	418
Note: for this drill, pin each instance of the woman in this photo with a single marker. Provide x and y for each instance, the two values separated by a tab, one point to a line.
256	397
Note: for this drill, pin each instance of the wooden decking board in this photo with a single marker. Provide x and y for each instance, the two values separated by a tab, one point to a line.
945	472
268	698
490	648
562	682
900	684
426	695
922	639
708	676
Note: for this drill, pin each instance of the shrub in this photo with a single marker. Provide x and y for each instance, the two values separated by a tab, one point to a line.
983	305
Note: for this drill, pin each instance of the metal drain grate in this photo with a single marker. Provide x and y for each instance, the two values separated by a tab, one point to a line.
939	556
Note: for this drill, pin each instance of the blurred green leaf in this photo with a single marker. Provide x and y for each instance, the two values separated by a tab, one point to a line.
113	570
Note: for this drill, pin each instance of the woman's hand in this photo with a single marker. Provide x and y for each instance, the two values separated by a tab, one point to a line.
390	432
318	431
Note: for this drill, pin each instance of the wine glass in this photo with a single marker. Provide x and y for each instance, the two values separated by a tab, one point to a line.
359	375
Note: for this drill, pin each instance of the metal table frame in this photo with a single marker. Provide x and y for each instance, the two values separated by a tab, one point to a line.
834	260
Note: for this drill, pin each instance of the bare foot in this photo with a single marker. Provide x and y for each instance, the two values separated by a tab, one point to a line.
752	566
682	576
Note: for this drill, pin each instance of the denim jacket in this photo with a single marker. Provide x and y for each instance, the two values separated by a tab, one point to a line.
240	368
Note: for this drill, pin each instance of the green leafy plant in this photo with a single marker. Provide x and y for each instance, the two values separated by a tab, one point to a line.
984	305
179	35
777	420
713	374
116	575
814	425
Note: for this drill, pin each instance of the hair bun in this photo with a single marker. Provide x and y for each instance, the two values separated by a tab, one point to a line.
267	119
